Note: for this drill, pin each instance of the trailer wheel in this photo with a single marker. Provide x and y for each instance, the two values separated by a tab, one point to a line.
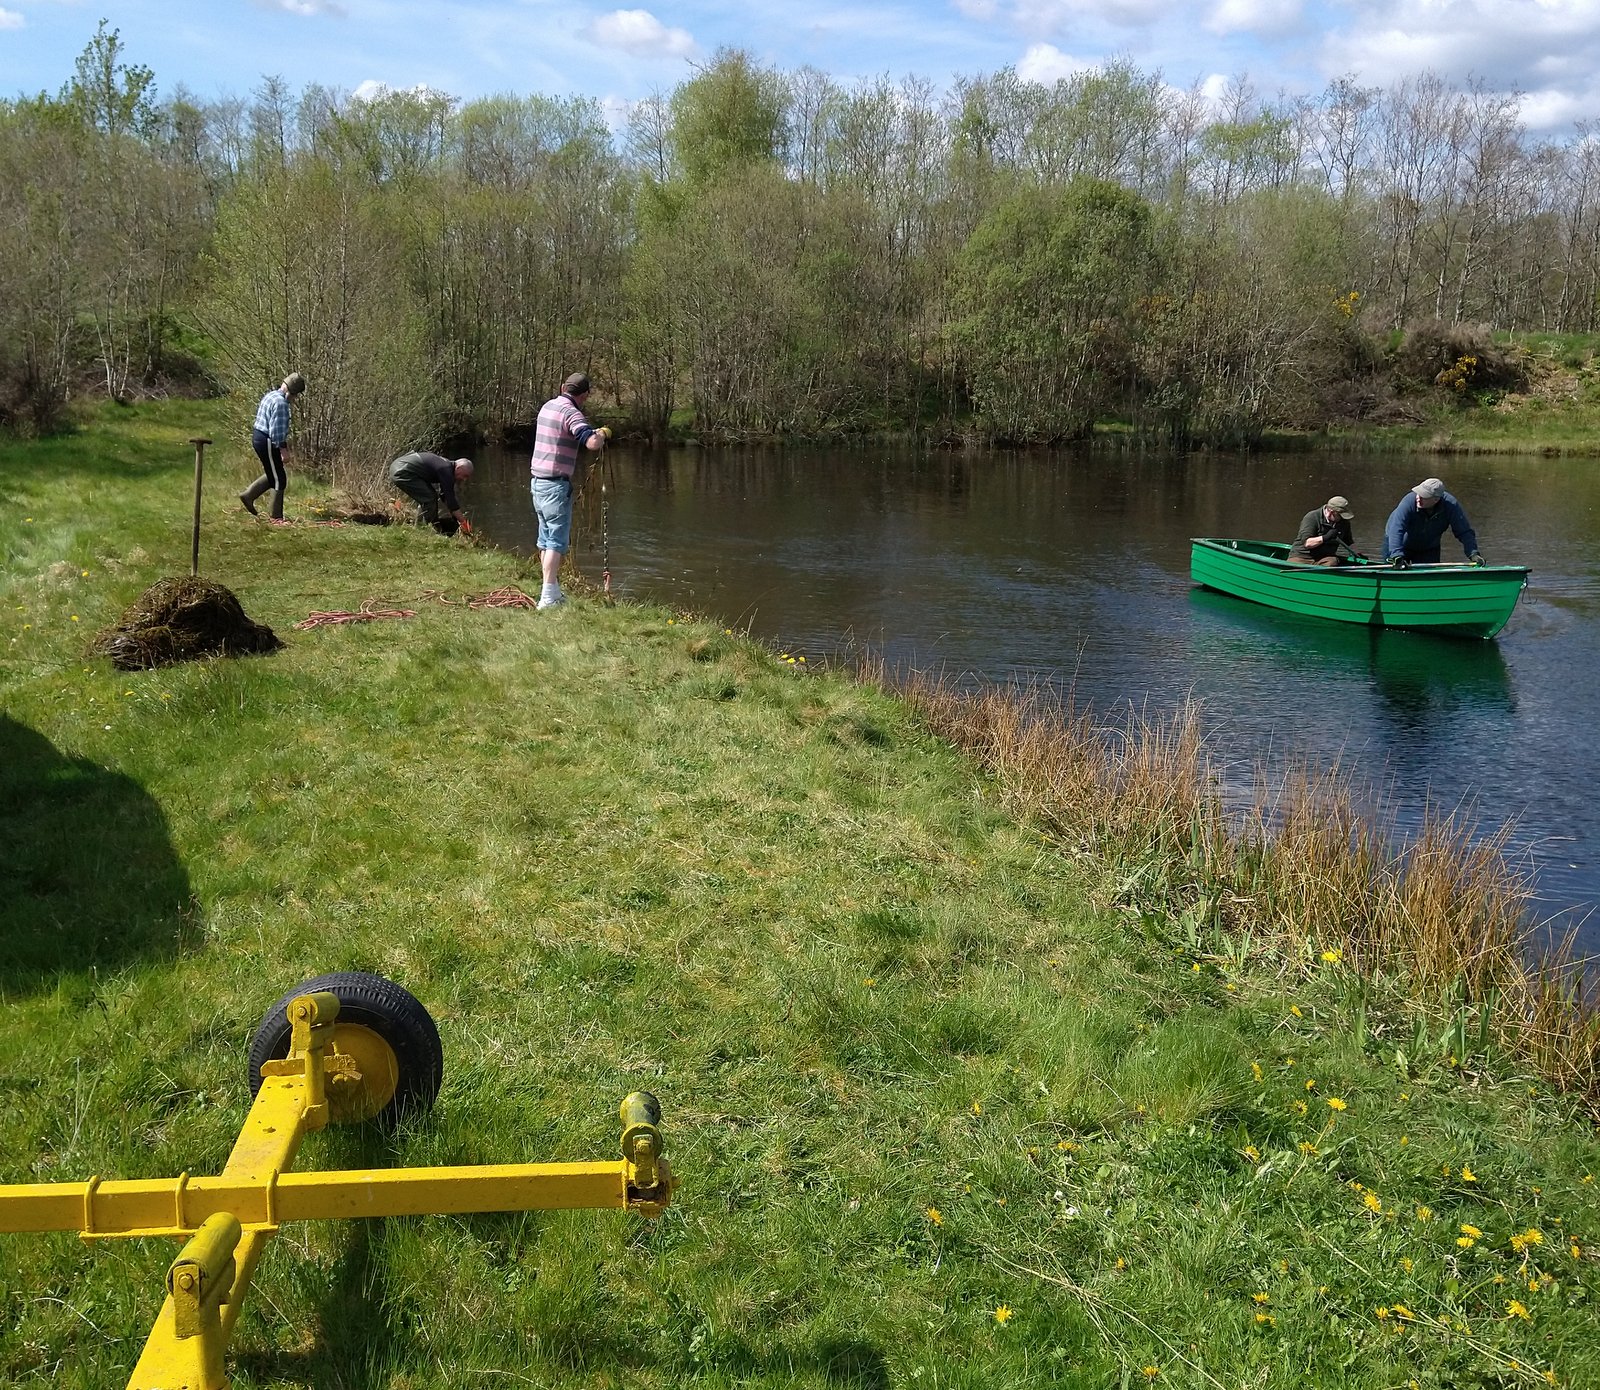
384	1028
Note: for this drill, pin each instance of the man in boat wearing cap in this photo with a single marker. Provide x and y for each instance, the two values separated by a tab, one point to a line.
1418	524
1325	537
562	430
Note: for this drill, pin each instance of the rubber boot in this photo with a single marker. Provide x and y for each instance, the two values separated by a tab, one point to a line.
247	498
277	504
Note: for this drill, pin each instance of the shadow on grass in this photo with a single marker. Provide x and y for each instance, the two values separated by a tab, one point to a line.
356	1333
89	879
356	1338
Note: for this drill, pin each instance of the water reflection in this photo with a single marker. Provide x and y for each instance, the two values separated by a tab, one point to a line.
1421	679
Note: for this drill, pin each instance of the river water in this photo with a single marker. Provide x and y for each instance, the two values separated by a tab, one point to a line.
1074	568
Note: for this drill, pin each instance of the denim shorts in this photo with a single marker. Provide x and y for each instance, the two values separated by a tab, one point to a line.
552	502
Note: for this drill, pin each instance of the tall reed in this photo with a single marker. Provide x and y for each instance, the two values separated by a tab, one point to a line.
1314	863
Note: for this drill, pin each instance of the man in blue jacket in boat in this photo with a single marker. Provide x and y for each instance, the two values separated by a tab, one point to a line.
1323	533
1420	521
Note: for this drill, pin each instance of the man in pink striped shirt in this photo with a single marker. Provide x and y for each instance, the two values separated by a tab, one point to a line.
562	430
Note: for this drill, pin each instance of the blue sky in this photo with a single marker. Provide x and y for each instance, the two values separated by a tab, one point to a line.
1549	50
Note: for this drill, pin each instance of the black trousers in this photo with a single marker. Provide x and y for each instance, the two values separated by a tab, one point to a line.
275	475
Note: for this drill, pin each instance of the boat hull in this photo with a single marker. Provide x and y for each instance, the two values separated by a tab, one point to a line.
1452	600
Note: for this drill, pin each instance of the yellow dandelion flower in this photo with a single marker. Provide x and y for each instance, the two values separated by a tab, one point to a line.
1334	956
935	1216
1002	1315
1295	1010
1067	1146
1334	1103
1577	1251
1550	1378
1465	1242
1467	1175
1382	1314
1531	1236
1404	1140
1307	1147
1401	1311
1298	1106
1150	1372
1515	1309
1371	1201
869	982
1467	1230
1311	1084
1588	1177
1424	1213
1261	1298
1405	1263
1266	1319
1251	1152
1255	1070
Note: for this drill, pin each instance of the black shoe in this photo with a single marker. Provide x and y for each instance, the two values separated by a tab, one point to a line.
248	504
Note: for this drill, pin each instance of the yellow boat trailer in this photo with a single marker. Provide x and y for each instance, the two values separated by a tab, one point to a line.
332	1072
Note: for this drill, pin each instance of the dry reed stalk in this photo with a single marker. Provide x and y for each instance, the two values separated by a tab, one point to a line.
1312	864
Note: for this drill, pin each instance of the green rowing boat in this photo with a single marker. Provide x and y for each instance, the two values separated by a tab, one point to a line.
1454	600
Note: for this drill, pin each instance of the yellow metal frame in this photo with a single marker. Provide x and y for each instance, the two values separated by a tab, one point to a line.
226	1220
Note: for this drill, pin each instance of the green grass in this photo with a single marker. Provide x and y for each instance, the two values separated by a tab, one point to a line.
915	1064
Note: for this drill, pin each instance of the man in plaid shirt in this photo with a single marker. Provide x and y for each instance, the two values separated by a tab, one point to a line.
270	440
561	431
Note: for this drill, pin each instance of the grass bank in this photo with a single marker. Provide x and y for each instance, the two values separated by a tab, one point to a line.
945	1113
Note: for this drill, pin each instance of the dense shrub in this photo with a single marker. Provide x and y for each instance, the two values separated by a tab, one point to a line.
1459	358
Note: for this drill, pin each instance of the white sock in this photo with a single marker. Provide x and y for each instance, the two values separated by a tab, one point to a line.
549	592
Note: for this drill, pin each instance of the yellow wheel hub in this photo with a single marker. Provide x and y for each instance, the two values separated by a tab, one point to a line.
355	1098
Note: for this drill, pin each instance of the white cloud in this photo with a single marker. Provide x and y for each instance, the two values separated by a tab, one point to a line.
10	19
640	33
1049	16
1267	18
1215	87
1523	44
977	9
372	90
1046	64
1555	110
305	8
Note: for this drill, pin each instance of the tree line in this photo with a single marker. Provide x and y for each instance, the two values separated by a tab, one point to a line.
767	254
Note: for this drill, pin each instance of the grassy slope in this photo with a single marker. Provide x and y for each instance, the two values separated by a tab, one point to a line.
912	1073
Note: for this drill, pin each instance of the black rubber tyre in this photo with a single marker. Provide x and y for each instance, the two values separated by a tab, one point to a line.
382	1007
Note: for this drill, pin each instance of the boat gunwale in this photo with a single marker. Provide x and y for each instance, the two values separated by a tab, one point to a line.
1442	569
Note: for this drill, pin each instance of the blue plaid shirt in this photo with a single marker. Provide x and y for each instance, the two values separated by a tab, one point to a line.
272	415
